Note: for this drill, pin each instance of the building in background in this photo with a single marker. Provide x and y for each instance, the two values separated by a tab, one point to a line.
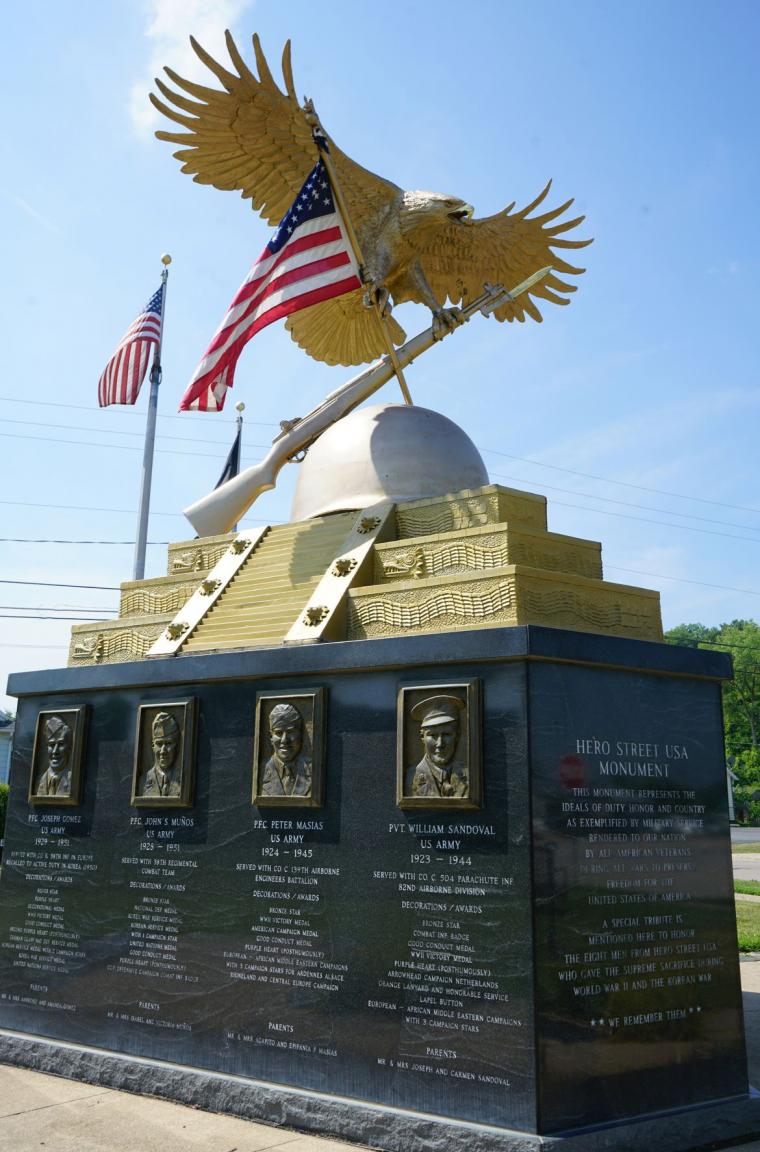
7	724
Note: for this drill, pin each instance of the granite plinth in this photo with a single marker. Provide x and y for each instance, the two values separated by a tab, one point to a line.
562	958
711	1126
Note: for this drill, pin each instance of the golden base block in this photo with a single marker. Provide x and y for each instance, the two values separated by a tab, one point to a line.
476	559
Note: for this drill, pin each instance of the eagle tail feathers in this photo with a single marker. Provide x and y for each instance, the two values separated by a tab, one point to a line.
342	331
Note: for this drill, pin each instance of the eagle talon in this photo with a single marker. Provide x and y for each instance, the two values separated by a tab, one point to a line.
445	320
378	296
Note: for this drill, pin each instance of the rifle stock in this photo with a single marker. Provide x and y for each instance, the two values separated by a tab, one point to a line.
219	510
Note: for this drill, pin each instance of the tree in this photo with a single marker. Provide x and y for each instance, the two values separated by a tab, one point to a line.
741	696
691	635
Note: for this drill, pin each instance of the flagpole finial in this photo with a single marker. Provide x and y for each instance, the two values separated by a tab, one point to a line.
166	259
240	406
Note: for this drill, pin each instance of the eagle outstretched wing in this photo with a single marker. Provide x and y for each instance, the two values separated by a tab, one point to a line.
253	138
505	248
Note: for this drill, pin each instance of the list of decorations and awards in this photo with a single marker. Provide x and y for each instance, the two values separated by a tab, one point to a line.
50	872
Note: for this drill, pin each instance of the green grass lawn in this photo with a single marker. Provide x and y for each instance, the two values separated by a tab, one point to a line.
737	849
749	887
748	926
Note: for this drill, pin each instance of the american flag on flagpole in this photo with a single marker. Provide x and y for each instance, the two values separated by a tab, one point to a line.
309	259
125	371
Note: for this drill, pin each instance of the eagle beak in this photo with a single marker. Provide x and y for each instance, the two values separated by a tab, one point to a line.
465	213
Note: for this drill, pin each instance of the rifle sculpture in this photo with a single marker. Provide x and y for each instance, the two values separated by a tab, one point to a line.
217	512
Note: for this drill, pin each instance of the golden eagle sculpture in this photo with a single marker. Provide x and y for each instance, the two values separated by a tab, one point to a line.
252	137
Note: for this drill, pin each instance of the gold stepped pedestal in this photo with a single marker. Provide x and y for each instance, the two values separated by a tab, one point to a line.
147	607
476	559
495	564
261	602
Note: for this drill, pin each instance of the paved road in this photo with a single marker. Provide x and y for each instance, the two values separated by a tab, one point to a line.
746	864
745	835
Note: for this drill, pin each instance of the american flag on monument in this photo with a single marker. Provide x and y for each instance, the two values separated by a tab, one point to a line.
125	371
309	259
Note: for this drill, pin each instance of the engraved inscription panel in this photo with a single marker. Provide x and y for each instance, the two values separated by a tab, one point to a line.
636	939
354	949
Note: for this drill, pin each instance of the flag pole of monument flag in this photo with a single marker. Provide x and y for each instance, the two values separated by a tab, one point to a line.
309	259
124	373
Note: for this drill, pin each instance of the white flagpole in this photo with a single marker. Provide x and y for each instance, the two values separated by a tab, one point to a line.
150	437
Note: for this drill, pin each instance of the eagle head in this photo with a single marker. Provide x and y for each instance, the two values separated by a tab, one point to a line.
429	210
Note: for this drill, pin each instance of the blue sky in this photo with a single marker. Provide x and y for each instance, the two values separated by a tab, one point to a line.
635	410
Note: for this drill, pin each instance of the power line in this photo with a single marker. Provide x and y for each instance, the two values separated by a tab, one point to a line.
131	411
607	567
82	508
121	447
680	579
128	410
626	503
65	647
501	476
558	503
86	619
129	511
26	540
622	483
48	584
52	608
118	432
716	643
660	523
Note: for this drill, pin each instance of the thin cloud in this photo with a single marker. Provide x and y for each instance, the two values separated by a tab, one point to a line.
25	207
654	424
168	26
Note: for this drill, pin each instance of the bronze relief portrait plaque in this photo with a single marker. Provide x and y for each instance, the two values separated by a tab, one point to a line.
288	755
56	773
164	771
438	763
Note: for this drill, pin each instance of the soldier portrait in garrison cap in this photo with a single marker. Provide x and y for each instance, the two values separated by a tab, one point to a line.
287	768
164	756
438	755
56	774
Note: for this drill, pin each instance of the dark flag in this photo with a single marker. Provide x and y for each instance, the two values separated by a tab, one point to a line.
232	465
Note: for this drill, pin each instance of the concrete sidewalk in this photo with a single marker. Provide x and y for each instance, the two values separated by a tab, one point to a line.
40	1112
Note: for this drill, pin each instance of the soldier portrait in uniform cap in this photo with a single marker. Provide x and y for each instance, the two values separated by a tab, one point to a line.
163	774
57	757
438	766
288	750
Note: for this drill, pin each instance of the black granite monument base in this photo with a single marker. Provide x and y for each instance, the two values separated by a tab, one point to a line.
711	1126
525	939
